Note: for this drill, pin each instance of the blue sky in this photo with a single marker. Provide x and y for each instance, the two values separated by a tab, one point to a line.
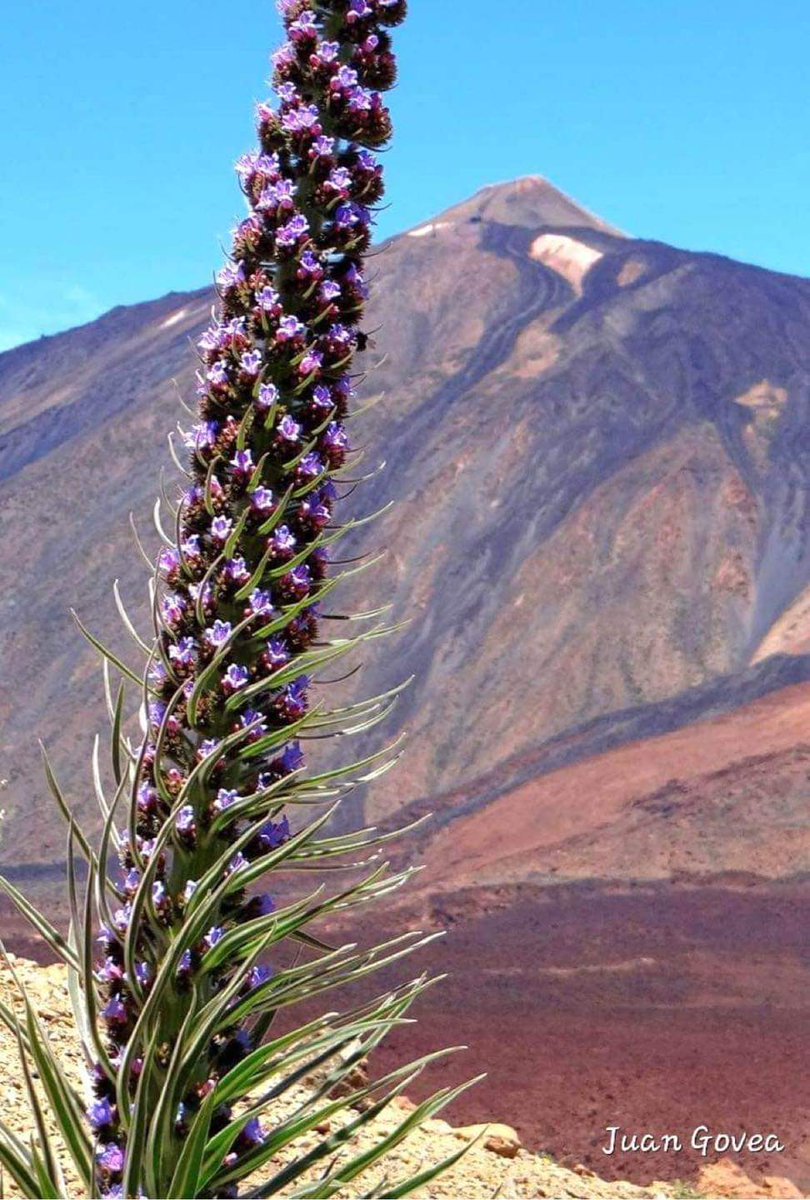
674	119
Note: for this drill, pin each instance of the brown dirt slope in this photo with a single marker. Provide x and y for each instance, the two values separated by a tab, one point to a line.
601	493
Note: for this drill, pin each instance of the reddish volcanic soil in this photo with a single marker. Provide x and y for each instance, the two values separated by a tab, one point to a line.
656	1008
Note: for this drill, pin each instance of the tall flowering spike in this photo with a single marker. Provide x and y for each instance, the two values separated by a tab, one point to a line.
238	634
177	991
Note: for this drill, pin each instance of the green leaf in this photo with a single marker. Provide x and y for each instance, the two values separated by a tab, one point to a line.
102	649
52	936
63	805
16	1158
407	1187
383	1146
127	623
86	967
138	1123
116	737
45	1163
186	1178
65	1104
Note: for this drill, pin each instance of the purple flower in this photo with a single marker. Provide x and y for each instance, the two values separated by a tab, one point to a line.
283	541
290	330
344	79
147	798
253	1134
344	385
322	397
291	705
233	331
214	935
115	1012
211	340
173	608
143	973
349	216
110	1159
110	971
195	589
342	337
132	881
251	719
221	528
288	93
183	652
310	364
231	276
236	570
268	395
310	467
310	266
291	234
262	499
219	633
158	674
299	580
225	798
330	291
169	561
245	166
274	834
268	299
283	57
304	29
186	823
101	1115
251	363
259	975
360	100
194	495
191	547
242	462
199	437
276	655
217	375
288	429
335	443
261	603
292	759
235	678
328	52
323	147
237	863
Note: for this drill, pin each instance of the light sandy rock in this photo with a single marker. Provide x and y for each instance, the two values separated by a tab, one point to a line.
498	1139
724	1179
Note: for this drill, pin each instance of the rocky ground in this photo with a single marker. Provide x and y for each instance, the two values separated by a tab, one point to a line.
496	1166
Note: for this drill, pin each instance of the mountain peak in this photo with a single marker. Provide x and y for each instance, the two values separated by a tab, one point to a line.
531	202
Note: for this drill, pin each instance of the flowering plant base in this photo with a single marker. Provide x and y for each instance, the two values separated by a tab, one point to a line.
176	962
